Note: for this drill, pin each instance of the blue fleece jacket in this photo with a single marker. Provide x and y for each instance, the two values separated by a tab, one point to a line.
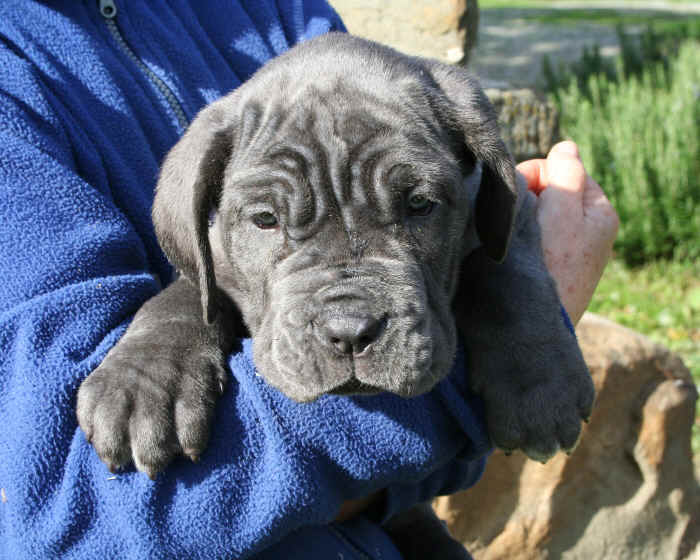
90	102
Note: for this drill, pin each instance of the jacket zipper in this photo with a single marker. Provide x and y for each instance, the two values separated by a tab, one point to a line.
108	9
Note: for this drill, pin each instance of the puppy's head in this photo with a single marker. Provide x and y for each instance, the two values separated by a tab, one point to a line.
346	183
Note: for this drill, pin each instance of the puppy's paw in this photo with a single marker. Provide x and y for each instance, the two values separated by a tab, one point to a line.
148	407
539	414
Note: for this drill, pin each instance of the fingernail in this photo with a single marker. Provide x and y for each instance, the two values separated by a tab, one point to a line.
566	147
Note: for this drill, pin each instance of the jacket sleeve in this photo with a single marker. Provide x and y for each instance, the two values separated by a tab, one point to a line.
73	273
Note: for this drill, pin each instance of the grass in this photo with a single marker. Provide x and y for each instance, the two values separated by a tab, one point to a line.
661	300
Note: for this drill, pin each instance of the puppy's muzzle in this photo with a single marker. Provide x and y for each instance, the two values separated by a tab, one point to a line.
349	332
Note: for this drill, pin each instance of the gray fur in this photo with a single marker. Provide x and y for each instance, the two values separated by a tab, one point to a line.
353	292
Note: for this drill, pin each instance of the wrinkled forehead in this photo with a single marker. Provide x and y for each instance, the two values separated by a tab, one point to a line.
345	125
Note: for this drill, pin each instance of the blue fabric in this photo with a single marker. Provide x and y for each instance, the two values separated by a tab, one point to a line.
357	538
82	133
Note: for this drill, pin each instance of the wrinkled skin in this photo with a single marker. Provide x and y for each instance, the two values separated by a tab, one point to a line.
347	251
358	225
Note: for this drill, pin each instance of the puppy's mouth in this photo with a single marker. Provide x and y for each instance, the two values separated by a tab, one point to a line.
363	336
355	387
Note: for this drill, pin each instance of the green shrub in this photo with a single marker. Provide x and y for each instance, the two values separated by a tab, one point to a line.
638	130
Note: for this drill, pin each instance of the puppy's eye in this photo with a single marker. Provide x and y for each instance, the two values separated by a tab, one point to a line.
265	220
419	205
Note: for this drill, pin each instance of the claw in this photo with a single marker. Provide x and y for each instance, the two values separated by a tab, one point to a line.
193	456
151	474
111	467
221	387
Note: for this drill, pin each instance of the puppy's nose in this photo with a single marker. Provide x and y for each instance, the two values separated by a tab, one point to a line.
351	334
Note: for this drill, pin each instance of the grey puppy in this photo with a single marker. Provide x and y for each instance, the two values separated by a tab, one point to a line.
365	212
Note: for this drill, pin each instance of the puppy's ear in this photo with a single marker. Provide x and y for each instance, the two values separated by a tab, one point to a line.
471	116
188	189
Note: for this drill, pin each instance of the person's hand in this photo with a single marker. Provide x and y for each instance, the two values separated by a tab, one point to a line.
578	224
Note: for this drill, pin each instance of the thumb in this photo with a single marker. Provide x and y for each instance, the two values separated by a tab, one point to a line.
565	169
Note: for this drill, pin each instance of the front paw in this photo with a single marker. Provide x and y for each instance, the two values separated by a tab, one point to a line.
147	408
541	414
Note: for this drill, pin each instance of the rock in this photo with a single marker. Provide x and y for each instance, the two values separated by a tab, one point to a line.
529	125
627	492
442	29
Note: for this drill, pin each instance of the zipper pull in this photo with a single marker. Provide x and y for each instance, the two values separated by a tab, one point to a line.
108	9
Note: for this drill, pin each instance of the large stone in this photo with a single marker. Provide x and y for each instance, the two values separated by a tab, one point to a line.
627	492
442	29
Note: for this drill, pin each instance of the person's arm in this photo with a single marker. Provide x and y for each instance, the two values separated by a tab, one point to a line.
74	270
73	273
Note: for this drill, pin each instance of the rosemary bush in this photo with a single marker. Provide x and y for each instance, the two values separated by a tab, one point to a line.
638	131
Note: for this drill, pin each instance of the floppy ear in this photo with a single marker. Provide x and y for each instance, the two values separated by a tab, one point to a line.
188	188
473	119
